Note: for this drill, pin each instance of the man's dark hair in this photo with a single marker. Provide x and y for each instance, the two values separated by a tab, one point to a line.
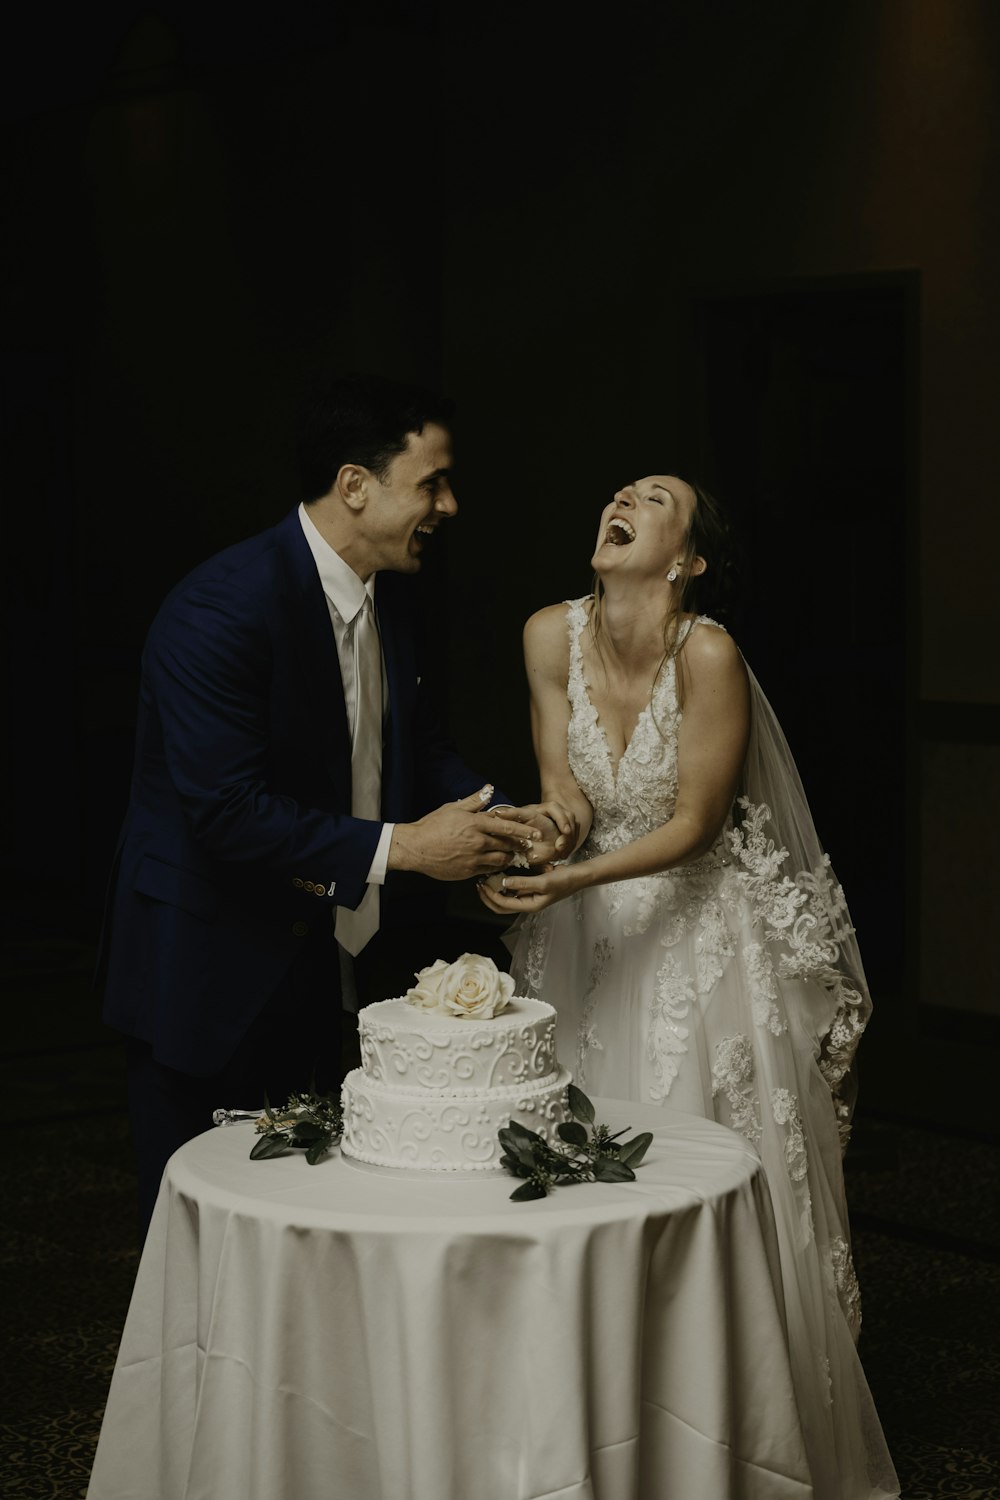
359	419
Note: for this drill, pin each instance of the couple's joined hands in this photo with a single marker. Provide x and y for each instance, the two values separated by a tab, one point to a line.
556	830
548	881
458	841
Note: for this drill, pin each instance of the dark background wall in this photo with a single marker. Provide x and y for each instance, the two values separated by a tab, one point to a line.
756	243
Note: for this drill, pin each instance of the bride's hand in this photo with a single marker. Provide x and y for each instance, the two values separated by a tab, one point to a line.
559	829
511	895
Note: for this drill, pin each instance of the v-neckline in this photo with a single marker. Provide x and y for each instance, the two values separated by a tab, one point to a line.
614	766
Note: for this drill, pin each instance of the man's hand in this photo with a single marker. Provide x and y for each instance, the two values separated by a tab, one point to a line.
455	842
557	829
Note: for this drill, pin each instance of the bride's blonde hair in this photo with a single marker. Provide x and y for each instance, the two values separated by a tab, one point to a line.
710	536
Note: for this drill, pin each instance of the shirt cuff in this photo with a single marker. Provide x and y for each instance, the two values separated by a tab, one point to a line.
376	875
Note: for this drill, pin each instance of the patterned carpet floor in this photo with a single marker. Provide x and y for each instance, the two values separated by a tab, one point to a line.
926	1216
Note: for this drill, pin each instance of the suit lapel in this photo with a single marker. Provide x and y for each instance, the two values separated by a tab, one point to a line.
314	647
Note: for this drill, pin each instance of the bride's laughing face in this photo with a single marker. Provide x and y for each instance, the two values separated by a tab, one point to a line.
643	532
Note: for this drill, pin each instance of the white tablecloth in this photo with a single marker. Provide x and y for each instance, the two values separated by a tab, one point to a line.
301	1332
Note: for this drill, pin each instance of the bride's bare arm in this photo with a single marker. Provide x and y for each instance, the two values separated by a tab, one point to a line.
547	668
546	662
711	747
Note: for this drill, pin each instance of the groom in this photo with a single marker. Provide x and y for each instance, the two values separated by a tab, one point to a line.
287	772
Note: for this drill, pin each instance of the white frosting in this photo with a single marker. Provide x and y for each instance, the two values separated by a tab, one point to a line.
408	1048
440	1132
433	1090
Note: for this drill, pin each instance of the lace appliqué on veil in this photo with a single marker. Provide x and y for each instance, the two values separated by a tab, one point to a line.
684	906
733	1075
763	988
837	1053
586	1032
785	1109
846	1282
714	946
666	1039
806	918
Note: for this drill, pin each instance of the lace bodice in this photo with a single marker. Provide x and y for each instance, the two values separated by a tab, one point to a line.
637	795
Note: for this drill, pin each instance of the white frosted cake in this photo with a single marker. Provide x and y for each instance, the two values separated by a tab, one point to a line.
433	1089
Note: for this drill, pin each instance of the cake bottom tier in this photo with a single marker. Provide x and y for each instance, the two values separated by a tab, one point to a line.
426	1132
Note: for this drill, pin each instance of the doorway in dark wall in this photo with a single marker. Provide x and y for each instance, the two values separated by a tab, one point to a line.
803	425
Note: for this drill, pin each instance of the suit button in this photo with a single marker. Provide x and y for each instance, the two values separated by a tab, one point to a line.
297	882
299	929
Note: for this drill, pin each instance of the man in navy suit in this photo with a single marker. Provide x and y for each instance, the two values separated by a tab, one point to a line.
220	961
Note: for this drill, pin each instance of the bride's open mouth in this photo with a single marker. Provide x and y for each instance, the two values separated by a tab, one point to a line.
620	532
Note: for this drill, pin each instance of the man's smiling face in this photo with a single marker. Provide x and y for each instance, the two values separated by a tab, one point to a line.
403	510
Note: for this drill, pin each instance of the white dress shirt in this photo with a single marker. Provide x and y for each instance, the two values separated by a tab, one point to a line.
345	595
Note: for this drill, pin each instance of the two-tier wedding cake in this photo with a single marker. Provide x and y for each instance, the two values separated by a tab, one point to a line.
446	1066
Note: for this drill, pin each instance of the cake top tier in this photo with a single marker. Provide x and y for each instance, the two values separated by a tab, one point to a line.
413	1048
518	1011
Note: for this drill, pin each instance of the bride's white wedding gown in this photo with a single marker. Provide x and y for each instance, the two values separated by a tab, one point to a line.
730	988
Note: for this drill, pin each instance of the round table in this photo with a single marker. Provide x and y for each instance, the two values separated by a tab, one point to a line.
301	1332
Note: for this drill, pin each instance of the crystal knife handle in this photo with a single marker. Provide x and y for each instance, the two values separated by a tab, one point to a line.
235	1116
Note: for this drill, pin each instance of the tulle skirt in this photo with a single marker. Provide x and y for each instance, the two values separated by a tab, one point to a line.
667	992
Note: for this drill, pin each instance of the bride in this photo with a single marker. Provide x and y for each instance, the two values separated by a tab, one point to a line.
696	944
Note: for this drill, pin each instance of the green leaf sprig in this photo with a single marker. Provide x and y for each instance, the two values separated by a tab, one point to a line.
311	1121
589	1153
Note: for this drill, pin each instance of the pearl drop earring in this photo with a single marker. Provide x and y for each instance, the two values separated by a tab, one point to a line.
672	576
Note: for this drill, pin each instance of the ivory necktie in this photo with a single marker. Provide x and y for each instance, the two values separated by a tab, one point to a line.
355	928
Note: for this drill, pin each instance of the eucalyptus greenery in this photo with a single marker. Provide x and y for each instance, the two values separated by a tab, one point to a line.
309	1121
589	1153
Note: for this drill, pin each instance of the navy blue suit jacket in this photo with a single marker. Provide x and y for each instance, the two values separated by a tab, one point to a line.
238	839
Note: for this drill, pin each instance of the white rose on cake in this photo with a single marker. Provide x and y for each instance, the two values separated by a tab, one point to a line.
472	986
